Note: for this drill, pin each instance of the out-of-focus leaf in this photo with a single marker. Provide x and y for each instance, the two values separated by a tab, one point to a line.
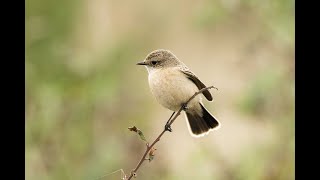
138	131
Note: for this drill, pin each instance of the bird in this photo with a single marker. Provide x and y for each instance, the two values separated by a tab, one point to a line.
172	83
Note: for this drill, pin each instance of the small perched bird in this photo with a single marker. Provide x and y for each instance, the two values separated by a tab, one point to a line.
172	84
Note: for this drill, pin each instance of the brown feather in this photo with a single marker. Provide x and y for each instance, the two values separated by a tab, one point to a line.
198	83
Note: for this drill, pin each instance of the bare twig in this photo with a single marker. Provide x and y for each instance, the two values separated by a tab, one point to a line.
149	147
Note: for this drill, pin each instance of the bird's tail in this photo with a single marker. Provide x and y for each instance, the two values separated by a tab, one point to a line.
201	123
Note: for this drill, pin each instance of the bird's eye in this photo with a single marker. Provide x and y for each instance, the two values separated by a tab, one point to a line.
154	62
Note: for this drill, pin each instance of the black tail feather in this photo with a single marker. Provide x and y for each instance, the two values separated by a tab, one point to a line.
201	124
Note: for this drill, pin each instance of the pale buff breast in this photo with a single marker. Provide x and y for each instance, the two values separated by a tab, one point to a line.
172	88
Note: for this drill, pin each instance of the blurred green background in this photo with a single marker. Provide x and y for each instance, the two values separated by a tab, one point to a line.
83	89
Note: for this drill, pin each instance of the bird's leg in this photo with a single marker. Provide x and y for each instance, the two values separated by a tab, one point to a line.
167	127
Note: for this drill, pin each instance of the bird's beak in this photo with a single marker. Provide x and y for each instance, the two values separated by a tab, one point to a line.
141	63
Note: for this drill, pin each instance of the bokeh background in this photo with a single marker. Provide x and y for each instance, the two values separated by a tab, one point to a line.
83	89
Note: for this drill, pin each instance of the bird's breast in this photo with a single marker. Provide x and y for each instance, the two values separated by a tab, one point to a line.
172	88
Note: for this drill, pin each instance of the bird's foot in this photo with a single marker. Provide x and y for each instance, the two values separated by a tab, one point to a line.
167	127
185	106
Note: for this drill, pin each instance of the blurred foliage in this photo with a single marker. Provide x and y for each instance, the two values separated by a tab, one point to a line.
83	90
268	94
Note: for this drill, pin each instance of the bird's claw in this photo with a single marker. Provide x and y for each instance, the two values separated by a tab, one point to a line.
167	127
185	106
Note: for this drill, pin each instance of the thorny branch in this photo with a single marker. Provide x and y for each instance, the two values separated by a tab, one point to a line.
150	147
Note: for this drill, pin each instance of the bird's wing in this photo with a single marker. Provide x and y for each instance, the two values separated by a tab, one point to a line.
197	82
